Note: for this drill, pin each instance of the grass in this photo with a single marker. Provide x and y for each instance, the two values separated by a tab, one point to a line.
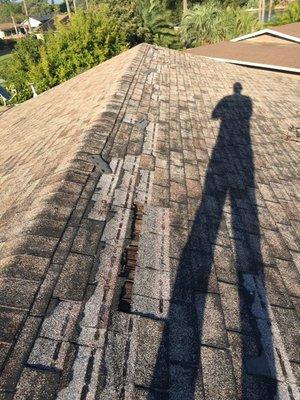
4	60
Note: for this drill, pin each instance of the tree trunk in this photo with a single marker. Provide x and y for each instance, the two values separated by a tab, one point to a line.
14	24
263	10
27	15
184	5
74	5
270	10
259	10
68	8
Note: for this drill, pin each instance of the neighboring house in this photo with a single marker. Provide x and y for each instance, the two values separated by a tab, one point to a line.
43	23
284	34
8	29
34	22
50	23
173	274
276	48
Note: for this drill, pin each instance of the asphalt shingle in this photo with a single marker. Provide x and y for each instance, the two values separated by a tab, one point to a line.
198	212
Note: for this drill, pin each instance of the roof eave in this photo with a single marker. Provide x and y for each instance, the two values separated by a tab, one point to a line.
257	65
267	31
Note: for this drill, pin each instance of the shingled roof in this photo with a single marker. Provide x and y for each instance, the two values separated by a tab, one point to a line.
271	48
285	58
149	234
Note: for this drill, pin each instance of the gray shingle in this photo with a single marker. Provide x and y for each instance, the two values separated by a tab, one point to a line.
216	238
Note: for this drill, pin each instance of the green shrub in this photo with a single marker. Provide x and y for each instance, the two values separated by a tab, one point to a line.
144	21
290	14
89	39
156	26
124	12
211	23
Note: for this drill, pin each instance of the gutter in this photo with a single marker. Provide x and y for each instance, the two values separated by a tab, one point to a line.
257	65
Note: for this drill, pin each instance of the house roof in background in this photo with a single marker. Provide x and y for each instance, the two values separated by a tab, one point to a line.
112	202
41	19
7	25
289	32
50	23
270	56
292	29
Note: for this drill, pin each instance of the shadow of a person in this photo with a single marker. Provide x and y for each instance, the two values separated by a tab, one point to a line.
227	214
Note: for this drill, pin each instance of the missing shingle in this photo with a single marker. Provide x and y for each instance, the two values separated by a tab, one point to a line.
140	123
151	75
101	164
294	133
129	261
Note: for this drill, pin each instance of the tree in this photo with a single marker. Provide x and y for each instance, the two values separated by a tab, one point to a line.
270	9
10	8
144	21
39	7
27	15
124	12
211	23
156	26
17	71
90	38
291	14
201	24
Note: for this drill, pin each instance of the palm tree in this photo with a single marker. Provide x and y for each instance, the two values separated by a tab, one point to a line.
156	22
263	10
201	24
210	23
270	9
27	15
184	5
68	8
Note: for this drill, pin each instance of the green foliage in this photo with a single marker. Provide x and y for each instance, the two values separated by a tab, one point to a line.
291	14
211	23
4	64
105	30
200	25
144	21
39	8
89	39
18	71
176	6
35	8
124	12
237	21
8	8
156	26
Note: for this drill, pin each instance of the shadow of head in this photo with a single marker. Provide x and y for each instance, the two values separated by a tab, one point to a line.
237	88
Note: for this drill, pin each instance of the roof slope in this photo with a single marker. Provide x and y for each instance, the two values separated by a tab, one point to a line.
290	32
292	29
7	25
273	56
46	136
175	272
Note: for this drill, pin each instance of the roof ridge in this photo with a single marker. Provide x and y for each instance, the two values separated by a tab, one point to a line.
78	170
